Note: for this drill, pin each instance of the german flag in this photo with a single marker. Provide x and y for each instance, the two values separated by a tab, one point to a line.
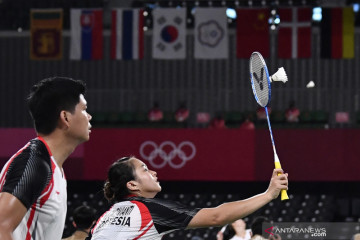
46	34
337	33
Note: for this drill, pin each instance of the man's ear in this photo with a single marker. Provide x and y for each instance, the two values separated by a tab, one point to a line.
132	185
64	118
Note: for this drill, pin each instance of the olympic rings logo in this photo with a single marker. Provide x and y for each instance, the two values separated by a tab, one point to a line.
159	152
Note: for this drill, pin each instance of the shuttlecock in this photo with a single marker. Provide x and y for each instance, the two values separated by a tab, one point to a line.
279	76
311	84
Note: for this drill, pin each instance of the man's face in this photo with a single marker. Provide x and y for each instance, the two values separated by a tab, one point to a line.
79	128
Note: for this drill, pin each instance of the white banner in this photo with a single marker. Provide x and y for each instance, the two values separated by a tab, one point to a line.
211	34
169	33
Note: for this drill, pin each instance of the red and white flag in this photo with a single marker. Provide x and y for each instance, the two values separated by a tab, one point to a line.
294	39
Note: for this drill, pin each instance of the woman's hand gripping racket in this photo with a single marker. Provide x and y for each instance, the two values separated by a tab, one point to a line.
261	86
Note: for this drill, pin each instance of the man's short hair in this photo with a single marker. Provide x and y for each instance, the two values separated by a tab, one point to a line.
49	97
84	216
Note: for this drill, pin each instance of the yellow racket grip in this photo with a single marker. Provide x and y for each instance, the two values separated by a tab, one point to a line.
284	195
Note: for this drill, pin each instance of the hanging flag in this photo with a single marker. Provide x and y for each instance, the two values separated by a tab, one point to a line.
211	33
337	33
169	33
127	34
86	34
46	34
252	32
294	36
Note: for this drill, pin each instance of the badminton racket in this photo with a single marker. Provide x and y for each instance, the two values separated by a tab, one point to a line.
261	86
223	228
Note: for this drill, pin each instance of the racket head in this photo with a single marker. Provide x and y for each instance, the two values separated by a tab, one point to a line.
260	79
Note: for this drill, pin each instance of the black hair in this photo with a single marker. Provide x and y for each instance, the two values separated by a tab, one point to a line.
292	104
51	96
229	232
156	105
84	216
257	224
120	173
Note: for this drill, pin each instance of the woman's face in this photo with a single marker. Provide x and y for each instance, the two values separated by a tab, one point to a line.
148	185
239	225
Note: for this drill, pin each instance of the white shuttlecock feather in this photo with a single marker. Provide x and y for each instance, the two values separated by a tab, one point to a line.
279	76
311	84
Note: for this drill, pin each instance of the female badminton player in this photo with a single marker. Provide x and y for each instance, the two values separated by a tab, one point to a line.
135	214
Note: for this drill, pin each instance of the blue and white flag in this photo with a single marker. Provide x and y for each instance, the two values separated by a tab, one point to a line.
211	33
169	33
127	34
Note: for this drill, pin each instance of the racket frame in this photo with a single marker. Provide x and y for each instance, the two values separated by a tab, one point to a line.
267	78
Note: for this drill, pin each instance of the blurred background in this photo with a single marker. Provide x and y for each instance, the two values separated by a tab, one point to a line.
174	95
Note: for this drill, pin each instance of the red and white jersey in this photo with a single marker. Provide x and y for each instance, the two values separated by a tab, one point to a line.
33	176
142	219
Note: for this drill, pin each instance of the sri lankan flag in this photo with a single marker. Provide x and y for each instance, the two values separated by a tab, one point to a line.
46	34
337	33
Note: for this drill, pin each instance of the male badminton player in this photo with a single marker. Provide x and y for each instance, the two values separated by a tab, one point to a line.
33	198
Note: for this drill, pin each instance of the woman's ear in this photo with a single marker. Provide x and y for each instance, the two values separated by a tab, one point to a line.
132	185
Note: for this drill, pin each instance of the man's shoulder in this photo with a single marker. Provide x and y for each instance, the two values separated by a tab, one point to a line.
34	149
28	173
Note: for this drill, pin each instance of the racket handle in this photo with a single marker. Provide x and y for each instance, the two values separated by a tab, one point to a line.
284	195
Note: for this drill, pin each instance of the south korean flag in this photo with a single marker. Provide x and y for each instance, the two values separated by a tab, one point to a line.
169	33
